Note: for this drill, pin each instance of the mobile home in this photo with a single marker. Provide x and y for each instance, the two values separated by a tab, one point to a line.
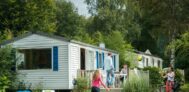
52	61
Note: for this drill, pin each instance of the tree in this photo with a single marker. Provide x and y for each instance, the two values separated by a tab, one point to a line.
116	42
131	59
161	22
111	15
69	22
7	76
6	35
114	22
21	16
181	47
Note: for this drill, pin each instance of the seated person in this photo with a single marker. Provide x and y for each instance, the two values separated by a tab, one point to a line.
123	71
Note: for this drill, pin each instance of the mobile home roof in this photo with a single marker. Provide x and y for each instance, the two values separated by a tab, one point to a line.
54	37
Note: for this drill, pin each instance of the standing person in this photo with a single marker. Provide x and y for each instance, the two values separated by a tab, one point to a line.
123	73
97	81
170	80
109	68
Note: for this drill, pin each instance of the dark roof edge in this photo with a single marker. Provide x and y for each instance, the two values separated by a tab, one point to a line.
15	38
31	33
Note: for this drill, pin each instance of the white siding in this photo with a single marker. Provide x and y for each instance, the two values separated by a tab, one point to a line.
143	64
45	78
48	78
74	62
90	60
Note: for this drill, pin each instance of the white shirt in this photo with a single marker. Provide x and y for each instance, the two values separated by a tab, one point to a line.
170	76
108	63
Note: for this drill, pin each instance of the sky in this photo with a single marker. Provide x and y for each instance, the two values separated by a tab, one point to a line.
81	6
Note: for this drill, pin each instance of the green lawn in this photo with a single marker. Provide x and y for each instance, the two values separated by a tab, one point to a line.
185	87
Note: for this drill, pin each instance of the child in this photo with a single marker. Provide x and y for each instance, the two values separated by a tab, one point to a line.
97	81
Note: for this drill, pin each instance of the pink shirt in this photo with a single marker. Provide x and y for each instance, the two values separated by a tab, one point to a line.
97	82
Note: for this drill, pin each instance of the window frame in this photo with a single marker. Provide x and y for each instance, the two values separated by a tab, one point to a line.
153	62
51	68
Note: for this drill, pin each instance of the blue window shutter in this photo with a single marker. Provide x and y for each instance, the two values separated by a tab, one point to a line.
55	58
103	60
97	59
114	59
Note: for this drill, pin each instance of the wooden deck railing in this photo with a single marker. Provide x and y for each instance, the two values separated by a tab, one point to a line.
117	82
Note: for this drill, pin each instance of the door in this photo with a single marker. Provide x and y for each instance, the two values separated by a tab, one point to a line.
82	59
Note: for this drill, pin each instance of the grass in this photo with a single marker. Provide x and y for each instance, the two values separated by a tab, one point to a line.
137	84
185	87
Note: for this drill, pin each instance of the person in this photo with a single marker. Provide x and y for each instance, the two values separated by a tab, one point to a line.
97	81
123	73
170	80
109	68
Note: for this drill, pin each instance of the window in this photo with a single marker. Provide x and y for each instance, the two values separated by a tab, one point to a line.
114	61
146	61
35	59
143	60
159	63
152	61
100	61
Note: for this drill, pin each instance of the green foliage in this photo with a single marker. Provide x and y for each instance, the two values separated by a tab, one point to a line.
69	23
155	76
131	59
111	15
19	16
179	77
5	35
84	37
181	46
82	84
137	84
39	87
7	76
116	42
181	51
160	22
185	87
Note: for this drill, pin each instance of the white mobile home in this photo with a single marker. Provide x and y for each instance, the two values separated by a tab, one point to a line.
53	61
149	60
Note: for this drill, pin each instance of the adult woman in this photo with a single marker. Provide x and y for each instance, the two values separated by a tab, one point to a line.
170	80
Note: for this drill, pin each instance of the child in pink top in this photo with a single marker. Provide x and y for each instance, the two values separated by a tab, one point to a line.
97	81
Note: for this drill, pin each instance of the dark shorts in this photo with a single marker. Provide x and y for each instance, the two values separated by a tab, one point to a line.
95	89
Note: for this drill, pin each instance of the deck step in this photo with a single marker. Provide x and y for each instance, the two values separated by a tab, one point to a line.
111	90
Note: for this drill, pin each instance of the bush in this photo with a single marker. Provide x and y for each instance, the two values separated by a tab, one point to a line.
155	76
179	76
7	75
137	84
82	84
